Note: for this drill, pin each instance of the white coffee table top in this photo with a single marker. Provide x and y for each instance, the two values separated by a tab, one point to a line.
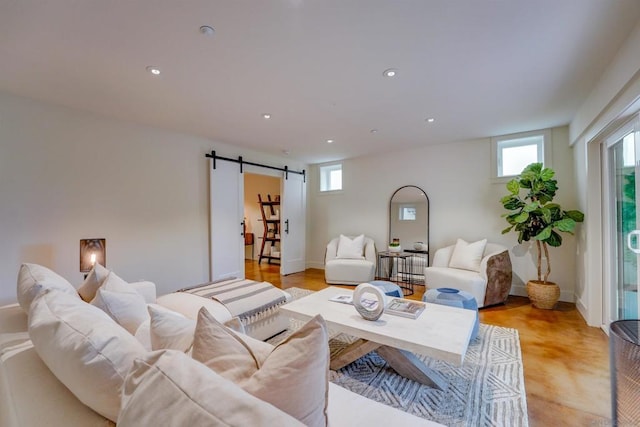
441	331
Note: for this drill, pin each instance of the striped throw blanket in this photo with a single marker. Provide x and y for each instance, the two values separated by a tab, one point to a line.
247	299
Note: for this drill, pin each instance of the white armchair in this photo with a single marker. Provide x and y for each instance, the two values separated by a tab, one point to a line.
342	268
490	283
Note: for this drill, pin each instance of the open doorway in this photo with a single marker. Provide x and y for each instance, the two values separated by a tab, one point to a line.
268	187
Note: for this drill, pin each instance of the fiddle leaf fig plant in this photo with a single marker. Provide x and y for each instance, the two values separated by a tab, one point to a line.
533	215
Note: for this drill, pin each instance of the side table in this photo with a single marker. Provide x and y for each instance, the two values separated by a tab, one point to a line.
386	261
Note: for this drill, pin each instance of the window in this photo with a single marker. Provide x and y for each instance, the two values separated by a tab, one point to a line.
407	213
511	153
331	177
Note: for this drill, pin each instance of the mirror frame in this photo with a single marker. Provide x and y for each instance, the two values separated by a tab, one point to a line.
428	214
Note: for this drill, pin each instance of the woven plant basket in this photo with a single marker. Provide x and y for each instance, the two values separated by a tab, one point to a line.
543	295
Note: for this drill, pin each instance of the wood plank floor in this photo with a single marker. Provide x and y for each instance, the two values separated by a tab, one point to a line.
566	362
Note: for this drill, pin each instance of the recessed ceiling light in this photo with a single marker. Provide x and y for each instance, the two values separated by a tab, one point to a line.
207	30
153	70
391	72
374	131
286	152
266	116
430	120
329	141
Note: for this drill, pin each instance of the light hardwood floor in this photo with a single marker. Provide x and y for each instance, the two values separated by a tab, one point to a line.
566	362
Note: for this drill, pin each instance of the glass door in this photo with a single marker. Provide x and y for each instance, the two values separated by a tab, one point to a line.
623	242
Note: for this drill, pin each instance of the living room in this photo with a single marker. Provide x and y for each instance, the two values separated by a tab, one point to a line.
69	173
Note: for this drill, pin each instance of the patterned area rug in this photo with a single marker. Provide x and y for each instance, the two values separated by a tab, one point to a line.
488	390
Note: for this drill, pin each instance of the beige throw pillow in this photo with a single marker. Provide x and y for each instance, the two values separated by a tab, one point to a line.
294	376
31	275
170	389
170	330
92	282
350	248
84	348
234	356
467	256
122	302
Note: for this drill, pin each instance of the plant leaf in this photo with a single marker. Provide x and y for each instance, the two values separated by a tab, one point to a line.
565	224
522	217
513	186
544	234
554	240
547	174
508	229
575	215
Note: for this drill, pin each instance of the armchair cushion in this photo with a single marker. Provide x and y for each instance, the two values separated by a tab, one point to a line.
467	256
350	248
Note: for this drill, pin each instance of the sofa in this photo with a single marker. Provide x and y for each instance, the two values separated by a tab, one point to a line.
480	268
160	387
350	260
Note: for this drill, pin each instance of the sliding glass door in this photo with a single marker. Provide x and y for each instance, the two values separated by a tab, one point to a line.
622	238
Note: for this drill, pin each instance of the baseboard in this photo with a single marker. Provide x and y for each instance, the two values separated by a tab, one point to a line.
518	290
318	265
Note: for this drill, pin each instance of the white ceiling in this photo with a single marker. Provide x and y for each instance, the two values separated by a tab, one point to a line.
479	67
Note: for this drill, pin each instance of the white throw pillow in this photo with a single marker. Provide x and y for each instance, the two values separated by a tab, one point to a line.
31	275
350	248
122	302
170	330
467	256
294	376
84	348
92	282
170	389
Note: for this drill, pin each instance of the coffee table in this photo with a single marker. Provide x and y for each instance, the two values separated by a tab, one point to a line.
440	332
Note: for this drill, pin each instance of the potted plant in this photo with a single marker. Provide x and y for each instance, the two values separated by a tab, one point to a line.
394	246
534	216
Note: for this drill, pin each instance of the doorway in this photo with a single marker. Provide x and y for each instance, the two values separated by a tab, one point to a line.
229	222
268	188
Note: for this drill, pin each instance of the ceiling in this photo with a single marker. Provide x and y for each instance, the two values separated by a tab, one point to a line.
480	68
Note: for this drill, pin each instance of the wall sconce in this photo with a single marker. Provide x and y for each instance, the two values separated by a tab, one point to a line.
92	251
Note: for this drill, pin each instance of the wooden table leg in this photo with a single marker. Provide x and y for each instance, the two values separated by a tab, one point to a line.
409	366
403	362
351	353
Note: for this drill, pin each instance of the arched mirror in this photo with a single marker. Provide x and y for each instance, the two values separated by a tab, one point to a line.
409	220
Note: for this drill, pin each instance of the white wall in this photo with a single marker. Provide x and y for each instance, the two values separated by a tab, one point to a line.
615	97
464	202
66	175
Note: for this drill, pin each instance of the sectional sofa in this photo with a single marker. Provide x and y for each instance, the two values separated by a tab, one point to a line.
68	362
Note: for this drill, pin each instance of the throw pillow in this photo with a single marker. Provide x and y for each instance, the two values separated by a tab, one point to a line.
31	275
350	248
234	356
467	256
170	389
170	330
294	376
92	282
122	302
84	348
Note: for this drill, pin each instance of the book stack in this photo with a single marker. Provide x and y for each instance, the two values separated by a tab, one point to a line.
405	308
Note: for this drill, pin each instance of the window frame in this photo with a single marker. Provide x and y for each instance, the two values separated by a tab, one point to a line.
323	170
544	151
402	211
